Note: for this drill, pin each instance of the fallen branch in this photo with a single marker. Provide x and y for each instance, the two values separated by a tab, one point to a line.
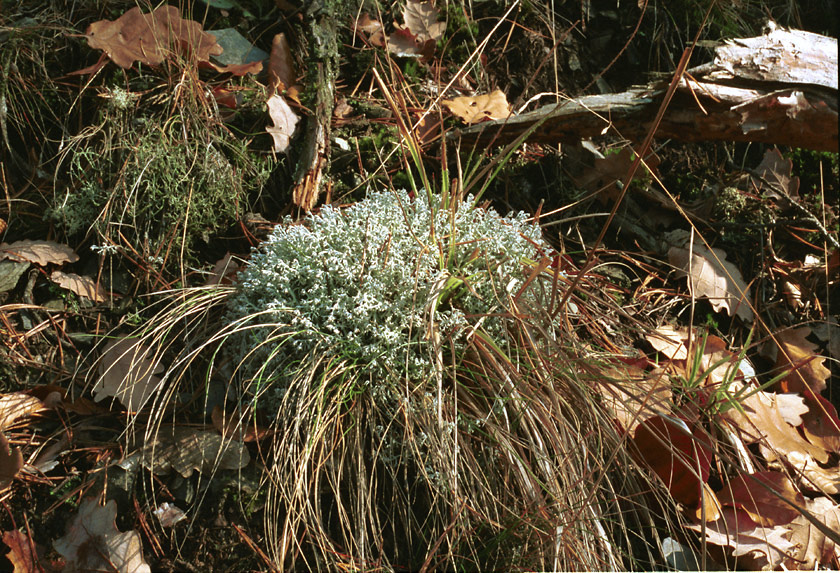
780	88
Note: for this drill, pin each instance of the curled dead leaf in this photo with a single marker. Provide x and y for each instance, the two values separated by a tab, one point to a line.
282	76
17	405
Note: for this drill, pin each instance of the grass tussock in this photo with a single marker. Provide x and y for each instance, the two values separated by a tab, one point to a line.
471	436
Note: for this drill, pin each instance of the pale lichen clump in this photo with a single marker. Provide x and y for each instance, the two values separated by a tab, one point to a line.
380	285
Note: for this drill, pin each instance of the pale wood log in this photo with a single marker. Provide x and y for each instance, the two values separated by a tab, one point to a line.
780	88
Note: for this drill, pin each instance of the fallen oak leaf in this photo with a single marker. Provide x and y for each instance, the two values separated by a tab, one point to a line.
82	286
24	553
128	373
402	43
813	549
187	450
710	275
421	18
473	109
773	176
150	38
797	354
771	421
765	546
285	122
764	506
41	253
93	542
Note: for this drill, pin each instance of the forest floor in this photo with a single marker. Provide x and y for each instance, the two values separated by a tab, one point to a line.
130	173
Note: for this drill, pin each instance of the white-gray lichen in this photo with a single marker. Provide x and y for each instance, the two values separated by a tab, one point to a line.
364	284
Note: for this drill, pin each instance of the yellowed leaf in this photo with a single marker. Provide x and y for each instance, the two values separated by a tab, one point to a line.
800	356
82	286
710	275
129	372
151	38
93	542
479	108
41	253
285	122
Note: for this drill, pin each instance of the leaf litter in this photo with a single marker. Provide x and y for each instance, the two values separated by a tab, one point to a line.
789	427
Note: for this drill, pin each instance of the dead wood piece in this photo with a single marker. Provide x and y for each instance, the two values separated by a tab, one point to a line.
780	88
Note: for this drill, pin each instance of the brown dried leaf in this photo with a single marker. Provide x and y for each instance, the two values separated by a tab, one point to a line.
767	546
11	462
771	420
815	476
404	44
479	108
224	271
813	549
41	253
238	426
773	176
285	121
128	372
17	405
421	18
676	455
282	76
151	38
367	24
796	353
710	276
82	286
168	515
634	395
93	542
24	553
670	341
762	505
186	450
821	425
